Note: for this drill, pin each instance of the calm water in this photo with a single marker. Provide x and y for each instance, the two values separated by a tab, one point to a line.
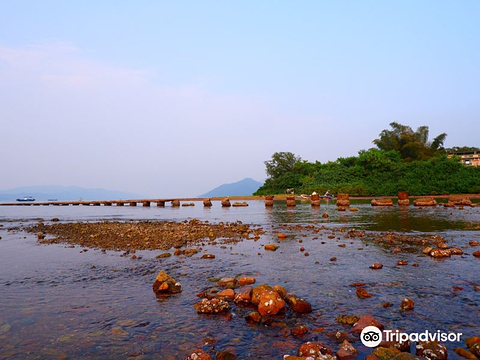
59	302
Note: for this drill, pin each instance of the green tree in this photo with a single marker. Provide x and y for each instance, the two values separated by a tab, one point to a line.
411	145
281	163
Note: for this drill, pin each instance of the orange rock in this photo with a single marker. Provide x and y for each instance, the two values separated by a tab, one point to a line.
224	282
407	304
298	304
314	349
402	263
254	316
440	253
363	322
382	202
165	284
299	330
270	303
226	202
325	215
245	281
282	236
346	351
465	354
271	247
257	291
476	254
280	290
227	294
376	266
198	355
434	349
243	295
363	294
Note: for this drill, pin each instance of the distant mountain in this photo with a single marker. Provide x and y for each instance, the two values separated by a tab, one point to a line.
63	193
243	187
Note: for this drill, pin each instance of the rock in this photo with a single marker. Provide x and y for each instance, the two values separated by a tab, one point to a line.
254	316
400	345
385	353
271	247
475	349
362	293
227	294
315	350
270	303
246	281
299	330
473	243
227	282
333	259
243	295
353	209
387	304
408	356
164	255
280	290
198	355
456	251
291	201
175	203
298	304
476	254
407	304
382	202
208	256
282	236
432	350
376	266
363	322
237	204
188	204
213	306
425	202
346	351
207	203
347	319
257	291
165	284
427	250
225	355
440	253
469	342
465	354
325	215
226	202
40	236
55	219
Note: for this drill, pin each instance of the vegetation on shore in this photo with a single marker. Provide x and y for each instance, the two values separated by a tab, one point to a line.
404	160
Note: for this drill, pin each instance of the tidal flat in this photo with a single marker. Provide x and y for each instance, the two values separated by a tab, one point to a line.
83	288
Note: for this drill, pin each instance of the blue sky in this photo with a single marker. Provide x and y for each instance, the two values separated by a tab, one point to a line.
192	94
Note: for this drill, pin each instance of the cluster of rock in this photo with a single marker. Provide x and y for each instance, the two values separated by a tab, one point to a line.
442	251
458	200
166	285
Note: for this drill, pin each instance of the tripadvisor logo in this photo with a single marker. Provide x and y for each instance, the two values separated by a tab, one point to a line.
371	336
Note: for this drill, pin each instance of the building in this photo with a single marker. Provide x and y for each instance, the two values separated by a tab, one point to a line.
471	158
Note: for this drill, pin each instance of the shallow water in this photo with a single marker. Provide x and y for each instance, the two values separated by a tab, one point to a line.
61	302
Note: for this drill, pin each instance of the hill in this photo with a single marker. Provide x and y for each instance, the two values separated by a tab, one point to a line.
243	187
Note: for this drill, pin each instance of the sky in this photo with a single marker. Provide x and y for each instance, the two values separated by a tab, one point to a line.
173	98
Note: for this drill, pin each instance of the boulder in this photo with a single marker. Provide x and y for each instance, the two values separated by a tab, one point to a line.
175	203
280	290
269	201
227	294
227	282
257	291
291	201
271	247
226	202
362	293
207	203
343	203
165	284
270	303
239	204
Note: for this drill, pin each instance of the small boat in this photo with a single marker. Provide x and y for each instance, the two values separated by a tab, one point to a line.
26	198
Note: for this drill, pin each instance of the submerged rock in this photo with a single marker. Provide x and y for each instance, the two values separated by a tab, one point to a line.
363	322
270	303
407	304
165	284
316	350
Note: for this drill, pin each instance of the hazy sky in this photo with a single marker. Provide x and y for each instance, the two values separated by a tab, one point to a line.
172	98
